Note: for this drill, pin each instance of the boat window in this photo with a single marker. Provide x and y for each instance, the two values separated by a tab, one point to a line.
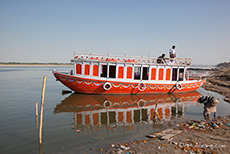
174	74
161	74
78	69
87	67
95	70
181	74
137	73
145	74
120	72
153	74
187	74
103	70
112	71
129	73
168	71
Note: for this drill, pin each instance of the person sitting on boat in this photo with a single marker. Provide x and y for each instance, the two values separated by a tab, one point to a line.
172	52
161	59
180	76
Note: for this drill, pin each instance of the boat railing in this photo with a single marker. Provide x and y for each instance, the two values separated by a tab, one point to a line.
131	59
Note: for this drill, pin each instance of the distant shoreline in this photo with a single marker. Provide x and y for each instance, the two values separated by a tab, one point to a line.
35	64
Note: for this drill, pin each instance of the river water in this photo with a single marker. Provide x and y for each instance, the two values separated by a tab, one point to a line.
75	123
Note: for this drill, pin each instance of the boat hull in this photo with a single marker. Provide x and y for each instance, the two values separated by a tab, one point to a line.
96	86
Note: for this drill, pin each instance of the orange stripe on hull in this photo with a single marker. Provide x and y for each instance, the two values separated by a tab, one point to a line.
81	85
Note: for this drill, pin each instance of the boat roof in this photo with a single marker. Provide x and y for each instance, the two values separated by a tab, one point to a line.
130	59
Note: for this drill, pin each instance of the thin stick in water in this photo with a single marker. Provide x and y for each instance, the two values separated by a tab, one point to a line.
41	110
36	110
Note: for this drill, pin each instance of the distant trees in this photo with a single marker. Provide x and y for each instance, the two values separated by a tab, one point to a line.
225	64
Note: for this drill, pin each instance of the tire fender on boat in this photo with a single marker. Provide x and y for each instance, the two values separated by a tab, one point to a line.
107	86
107	104
141	86
178	86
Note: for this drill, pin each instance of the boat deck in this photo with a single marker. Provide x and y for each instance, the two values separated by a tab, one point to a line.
130	59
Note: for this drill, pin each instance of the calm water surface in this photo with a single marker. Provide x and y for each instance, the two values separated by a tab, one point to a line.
75	123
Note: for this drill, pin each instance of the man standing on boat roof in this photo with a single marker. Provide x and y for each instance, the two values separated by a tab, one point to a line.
172	52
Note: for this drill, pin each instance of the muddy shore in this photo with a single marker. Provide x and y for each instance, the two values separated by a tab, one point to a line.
211	136
219	81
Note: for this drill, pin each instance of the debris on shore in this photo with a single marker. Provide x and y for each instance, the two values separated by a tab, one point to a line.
195	136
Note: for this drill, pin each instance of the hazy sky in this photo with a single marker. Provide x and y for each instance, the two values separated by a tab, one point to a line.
52	30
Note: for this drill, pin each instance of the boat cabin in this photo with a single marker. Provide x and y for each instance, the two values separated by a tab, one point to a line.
123	68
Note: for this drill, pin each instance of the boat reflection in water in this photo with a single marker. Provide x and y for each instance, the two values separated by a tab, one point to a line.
110	111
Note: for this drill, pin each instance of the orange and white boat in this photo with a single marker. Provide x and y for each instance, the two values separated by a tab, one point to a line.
106	74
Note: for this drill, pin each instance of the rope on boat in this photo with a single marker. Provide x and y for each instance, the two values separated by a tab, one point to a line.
178	86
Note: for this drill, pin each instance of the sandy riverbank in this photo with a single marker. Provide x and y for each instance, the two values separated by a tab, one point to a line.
219	81
201	136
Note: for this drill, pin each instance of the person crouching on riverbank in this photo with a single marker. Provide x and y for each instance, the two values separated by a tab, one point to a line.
210	104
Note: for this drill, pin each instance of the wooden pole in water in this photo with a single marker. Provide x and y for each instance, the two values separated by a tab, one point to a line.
36	110
40	148
41	110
